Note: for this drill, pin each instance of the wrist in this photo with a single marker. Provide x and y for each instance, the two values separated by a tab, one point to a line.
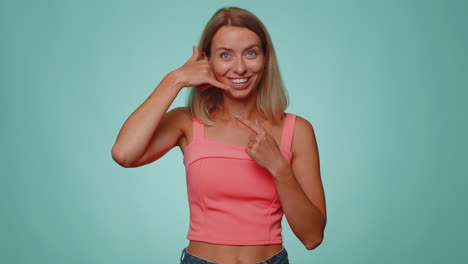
282	169
173	78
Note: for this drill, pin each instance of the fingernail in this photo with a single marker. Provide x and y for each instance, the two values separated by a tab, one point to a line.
237	117
256	121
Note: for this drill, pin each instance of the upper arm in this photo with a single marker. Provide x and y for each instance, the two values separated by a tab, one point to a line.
306	163
169	132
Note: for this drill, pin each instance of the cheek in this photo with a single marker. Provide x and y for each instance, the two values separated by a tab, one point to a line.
257	66
219	68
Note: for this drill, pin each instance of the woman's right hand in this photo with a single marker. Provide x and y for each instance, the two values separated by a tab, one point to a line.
197	72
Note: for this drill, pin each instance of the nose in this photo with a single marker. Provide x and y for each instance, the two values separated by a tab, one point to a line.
239	67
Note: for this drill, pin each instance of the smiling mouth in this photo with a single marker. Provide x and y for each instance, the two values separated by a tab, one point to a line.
240	83
239	80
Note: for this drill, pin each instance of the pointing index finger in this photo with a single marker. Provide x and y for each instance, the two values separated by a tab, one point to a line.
250	125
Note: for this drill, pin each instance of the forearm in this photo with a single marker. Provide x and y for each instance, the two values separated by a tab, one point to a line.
304	218
139	128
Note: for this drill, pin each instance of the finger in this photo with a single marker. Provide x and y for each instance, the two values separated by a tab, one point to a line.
249	124
195	54
217	84
258	123
203	87
252	148
249	149
249	152
249	145
253	138
212	83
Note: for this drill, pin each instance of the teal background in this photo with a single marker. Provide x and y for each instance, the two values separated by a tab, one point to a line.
384	84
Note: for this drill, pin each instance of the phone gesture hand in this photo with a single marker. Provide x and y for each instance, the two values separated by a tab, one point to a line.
197	72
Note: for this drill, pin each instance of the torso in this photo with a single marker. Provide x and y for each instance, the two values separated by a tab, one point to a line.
233	133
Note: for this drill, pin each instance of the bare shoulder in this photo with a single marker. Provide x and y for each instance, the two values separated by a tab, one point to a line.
181	112
181	119
303	126
176	121
304	135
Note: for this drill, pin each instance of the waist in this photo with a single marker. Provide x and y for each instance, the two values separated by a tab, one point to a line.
232	254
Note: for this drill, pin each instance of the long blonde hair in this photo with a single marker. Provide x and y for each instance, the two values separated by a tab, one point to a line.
271	98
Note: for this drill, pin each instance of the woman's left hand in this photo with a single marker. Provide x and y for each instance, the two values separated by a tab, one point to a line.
263	149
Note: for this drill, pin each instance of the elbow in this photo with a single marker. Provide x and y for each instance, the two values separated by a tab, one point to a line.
119	157
316	237
311	244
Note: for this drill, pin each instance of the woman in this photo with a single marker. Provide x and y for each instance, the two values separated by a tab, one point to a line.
247	161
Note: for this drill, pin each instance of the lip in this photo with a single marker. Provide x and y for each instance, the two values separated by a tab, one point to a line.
242	85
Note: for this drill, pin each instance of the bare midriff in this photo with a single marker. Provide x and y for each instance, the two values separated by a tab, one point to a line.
226	254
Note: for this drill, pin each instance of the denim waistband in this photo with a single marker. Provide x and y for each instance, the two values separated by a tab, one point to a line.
279	258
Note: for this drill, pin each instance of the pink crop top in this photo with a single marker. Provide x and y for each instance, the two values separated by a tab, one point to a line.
232	200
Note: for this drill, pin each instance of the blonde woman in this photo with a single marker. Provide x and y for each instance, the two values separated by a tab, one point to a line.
248	162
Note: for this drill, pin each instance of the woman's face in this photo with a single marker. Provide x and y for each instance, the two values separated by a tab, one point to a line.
237	59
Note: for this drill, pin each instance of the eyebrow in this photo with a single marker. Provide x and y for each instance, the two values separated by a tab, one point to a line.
249	47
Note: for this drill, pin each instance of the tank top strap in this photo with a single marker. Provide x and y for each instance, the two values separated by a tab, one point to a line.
288	131
198	129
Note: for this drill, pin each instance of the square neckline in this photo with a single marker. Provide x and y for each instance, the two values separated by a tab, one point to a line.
202	137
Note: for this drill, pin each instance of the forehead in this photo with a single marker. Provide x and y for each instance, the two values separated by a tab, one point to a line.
235	38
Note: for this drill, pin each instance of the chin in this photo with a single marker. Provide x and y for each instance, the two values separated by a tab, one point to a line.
241	94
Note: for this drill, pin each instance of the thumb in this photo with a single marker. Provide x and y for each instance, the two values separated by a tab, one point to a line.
195	54
205	57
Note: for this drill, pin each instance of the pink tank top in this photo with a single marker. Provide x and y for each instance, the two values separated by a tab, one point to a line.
232	200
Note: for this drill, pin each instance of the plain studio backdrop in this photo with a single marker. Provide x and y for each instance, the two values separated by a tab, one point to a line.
384	83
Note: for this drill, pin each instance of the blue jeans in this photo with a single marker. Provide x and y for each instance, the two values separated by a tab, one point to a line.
279	258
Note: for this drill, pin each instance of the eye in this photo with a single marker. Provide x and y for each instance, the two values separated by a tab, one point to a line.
251	53
225	55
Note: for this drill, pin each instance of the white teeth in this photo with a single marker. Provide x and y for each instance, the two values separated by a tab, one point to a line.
239	80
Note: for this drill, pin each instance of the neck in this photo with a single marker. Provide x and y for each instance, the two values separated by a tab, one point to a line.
246	108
